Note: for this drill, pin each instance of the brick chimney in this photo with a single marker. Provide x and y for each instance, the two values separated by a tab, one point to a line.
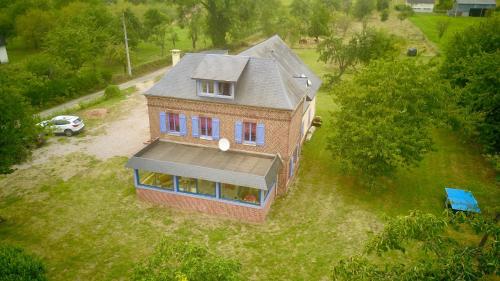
176	56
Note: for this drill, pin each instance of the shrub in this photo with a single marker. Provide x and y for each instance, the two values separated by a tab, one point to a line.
384	15
175	260
112	91
16	264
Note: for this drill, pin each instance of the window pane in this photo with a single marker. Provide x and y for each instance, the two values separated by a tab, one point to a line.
156	179
206	187
211	87
187	184
247	128
240	193
206	126
253	132
204	86
224	89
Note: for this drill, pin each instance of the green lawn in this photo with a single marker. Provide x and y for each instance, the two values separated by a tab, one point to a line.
82	217
428	22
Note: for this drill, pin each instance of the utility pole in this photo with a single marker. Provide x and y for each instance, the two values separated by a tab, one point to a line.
129	67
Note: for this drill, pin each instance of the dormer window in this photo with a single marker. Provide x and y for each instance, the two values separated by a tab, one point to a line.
218	89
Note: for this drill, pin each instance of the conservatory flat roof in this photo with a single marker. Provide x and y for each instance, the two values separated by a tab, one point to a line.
234	167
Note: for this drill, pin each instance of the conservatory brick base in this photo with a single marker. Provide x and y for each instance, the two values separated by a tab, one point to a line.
255	214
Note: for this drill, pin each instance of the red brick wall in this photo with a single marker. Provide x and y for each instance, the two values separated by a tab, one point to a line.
282	127
207	206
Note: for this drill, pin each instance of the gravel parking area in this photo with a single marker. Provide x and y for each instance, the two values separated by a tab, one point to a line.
120	137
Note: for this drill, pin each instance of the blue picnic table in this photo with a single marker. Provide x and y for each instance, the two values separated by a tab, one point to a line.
461	200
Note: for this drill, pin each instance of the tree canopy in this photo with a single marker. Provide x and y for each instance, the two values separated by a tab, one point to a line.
471	60
443	256
175	260
385	115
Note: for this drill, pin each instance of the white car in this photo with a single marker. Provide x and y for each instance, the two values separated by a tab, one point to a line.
64	124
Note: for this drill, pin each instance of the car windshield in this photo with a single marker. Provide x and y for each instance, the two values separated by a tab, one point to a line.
77	120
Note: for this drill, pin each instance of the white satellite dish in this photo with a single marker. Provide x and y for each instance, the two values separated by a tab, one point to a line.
224	144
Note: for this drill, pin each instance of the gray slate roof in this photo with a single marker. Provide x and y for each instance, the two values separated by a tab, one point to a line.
271	78
220	67
233	167
477	2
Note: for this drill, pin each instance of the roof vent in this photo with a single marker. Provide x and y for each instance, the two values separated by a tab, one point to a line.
302	75
309	83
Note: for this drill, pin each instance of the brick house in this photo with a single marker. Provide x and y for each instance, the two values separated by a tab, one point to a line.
261	102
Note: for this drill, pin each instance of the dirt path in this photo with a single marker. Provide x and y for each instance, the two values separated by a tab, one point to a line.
122	136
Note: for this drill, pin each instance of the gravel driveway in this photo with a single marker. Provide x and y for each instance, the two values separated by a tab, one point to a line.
122	136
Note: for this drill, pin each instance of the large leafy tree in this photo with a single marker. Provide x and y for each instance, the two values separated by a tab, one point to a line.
363	8
17	126
33	26
471	64
385	115
175	260
320	19
364	46
444	257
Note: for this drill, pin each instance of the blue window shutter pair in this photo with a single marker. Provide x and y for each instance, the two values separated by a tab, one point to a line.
163	122
215	128
182	121
260	134
238	128
195	126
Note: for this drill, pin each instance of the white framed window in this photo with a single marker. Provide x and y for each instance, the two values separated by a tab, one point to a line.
249	132
218	89
206	127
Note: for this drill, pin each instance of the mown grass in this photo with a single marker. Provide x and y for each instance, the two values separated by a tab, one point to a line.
427	23
92	227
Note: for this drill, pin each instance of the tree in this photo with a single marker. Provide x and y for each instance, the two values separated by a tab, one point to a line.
363	47
158	36
193	17
320	18
383	5
384	15
445	257
153	18
363	8
301	11
17	126
442	27
33	26
172	36
175	260
385	115
16	264
470	63
405	11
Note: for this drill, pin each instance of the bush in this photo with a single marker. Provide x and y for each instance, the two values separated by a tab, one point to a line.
15	264
384	15
175	260
112	91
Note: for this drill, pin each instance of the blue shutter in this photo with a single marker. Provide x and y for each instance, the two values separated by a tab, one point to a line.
260	134
195	126
163	122
215	128
291	167
182	121
238	128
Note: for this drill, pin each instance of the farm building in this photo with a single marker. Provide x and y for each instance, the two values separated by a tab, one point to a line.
472	8
421	6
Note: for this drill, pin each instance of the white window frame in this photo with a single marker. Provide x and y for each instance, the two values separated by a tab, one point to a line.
201	135
215	94
249	142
